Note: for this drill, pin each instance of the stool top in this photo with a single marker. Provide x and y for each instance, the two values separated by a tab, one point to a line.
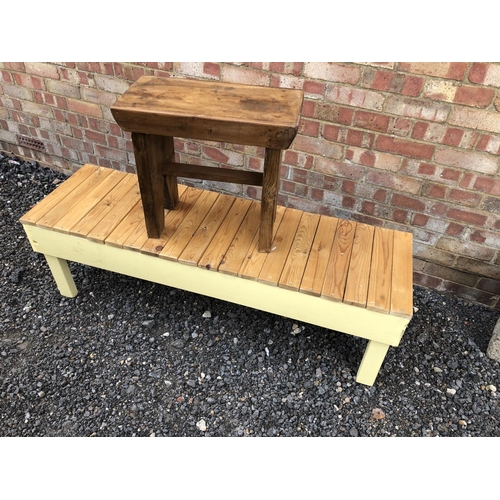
213	111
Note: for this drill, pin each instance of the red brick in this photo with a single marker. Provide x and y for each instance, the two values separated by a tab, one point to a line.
42	69
466	216
211	69
378	79
348	202
477	237
419	130
371	121
477	72
400	216
337	168
400	200
464	197
427	169
333	113
488	185
452	137
309	127
412	86
308	108
474	96
405	147
317	146
454	229
331	132
450	175
420	219
348	187
317	194
399	126
95	136
316	88
368	207
394	181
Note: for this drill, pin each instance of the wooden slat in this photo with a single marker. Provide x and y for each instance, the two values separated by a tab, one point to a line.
254	260
87	202
188	226
314	274
127	226
173	218
379	288
107	204
282	242
207	230
402	276
54	198
293	270
356	290
117	212
238	250
143	243
214	254
338	265
77	194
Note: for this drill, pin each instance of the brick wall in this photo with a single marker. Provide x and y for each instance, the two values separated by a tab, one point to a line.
411	146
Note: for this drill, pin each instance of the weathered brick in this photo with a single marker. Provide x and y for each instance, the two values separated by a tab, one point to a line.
371	121
199	69
65	89
486	74
42	69
469	161
355	97
329	167
309	127
450	274
491	204
417	108
235	74
413	86
84	108
317	146
454	229
36	109
468	293
17	91
440	90
111	84
374	159
489	285
404	147
487	185
332	113
465	248
333	72
426	281
475	119
450	70
394	181
420	219
315	90
452	137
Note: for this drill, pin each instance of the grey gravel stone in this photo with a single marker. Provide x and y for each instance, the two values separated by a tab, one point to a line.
107	368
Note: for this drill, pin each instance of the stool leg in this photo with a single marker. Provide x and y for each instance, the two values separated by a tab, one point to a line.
171	190
151	153
270	183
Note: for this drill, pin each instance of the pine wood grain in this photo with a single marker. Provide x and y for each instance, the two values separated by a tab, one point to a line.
216	250
78	194
356	291
338	265
127	226
91	200
402	276
379	288
239	247
188	226
207	230
282	242
314	274
294	267
62	191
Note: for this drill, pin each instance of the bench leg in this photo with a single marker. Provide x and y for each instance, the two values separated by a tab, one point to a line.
62	276
270	181
372	361
151	153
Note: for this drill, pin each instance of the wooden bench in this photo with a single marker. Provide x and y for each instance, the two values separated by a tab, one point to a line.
337	274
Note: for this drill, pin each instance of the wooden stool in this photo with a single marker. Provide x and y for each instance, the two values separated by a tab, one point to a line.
155	110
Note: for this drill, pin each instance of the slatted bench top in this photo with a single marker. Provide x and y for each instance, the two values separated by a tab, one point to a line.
316	255
214	111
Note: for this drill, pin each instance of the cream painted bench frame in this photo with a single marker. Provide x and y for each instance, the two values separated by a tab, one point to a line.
382	330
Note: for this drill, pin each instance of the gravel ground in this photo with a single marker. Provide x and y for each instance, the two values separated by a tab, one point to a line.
131	358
